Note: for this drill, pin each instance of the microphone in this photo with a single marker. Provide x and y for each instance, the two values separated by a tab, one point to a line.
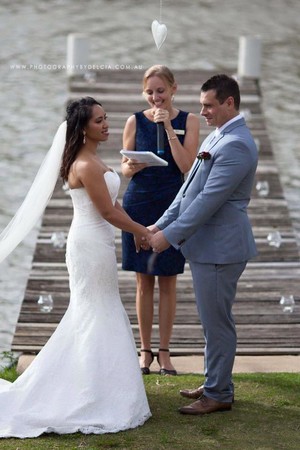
160	138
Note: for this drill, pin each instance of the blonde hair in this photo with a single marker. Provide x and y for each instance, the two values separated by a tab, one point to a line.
159	71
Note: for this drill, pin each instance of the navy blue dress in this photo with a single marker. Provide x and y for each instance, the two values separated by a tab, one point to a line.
148	195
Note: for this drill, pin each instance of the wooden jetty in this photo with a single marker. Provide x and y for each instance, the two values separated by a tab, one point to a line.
262	326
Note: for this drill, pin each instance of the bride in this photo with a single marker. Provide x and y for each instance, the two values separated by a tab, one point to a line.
87	377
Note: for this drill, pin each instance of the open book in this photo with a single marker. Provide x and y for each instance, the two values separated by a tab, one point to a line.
144	157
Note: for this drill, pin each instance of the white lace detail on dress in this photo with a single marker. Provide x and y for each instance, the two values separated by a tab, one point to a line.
87	377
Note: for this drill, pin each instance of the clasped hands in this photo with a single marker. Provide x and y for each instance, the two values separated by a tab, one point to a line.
154	239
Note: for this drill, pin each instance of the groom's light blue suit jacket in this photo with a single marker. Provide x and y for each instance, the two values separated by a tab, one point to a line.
208	219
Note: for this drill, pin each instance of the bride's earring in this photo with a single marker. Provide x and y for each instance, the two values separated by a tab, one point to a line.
172	98
84	133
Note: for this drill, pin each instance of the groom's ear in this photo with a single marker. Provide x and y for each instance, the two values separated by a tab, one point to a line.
230	102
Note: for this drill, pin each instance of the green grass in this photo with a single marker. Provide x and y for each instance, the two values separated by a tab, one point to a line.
265	416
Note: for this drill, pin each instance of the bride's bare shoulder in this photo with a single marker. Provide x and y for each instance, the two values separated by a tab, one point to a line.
84	168
87	163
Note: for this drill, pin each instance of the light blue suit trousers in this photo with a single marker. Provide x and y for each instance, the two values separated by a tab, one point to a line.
215	288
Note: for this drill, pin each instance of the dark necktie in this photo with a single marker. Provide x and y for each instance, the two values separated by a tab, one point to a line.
192	176
196	167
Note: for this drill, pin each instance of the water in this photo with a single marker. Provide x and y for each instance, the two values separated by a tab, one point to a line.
201	34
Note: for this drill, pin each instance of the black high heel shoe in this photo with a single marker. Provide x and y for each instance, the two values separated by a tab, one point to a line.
162	370
146	370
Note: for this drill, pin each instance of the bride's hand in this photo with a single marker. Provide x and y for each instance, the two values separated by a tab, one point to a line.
142	242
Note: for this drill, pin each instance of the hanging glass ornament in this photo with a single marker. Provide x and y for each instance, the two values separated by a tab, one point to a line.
45	303
274	238
288	303
58	239
159	30
262	188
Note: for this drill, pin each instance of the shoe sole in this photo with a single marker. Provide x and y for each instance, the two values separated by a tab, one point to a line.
200	413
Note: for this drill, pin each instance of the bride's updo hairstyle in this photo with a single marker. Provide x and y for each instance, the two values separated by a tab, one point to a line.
79	112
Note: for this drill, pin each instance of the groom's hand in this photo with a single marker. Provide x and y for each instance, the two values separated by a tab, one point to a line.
158	242
153	228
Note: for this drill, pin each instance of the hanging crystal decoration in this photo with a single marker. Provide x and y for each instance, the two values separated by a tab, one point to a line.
58	239
288	303
274	238
159	30
45	303
262	188
66	189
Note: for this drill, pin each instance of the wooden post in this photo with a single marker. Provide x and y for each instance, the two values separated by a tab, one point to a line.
249	63
77	54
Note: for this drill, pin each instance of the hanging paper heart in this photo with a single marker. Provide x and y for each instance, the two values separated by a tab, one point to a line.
159	31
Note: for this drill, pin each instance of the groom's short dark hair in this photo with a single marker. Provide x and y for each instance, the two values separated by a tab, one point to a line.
225	87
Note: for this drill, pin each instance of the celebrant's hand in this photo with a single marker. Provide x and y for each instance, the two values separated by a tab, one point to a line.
162	115
135	166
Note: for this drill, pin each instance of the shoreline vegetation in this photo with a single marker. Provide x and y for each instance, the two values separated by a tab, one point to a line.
265	415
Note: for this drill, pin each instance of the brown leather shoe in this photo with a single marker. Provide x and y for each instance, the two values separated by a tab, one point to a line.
192	393
195	393
205	405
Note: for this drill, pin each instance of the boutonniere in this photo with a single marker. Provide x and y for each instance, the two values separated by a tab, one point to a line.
204	156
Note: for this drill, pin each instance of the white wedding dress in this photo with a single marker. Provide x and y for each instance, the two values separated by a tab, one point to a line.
87	377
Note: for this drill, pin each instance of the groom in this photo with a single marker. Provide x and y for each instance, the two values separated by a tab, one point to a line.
208	222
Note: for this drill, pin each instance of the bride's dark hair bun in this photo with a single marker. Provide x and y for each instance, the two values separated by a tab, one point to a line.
81	108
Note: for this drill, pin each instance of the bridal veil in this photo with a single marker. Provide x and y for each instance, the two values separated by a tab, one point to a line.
37	198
